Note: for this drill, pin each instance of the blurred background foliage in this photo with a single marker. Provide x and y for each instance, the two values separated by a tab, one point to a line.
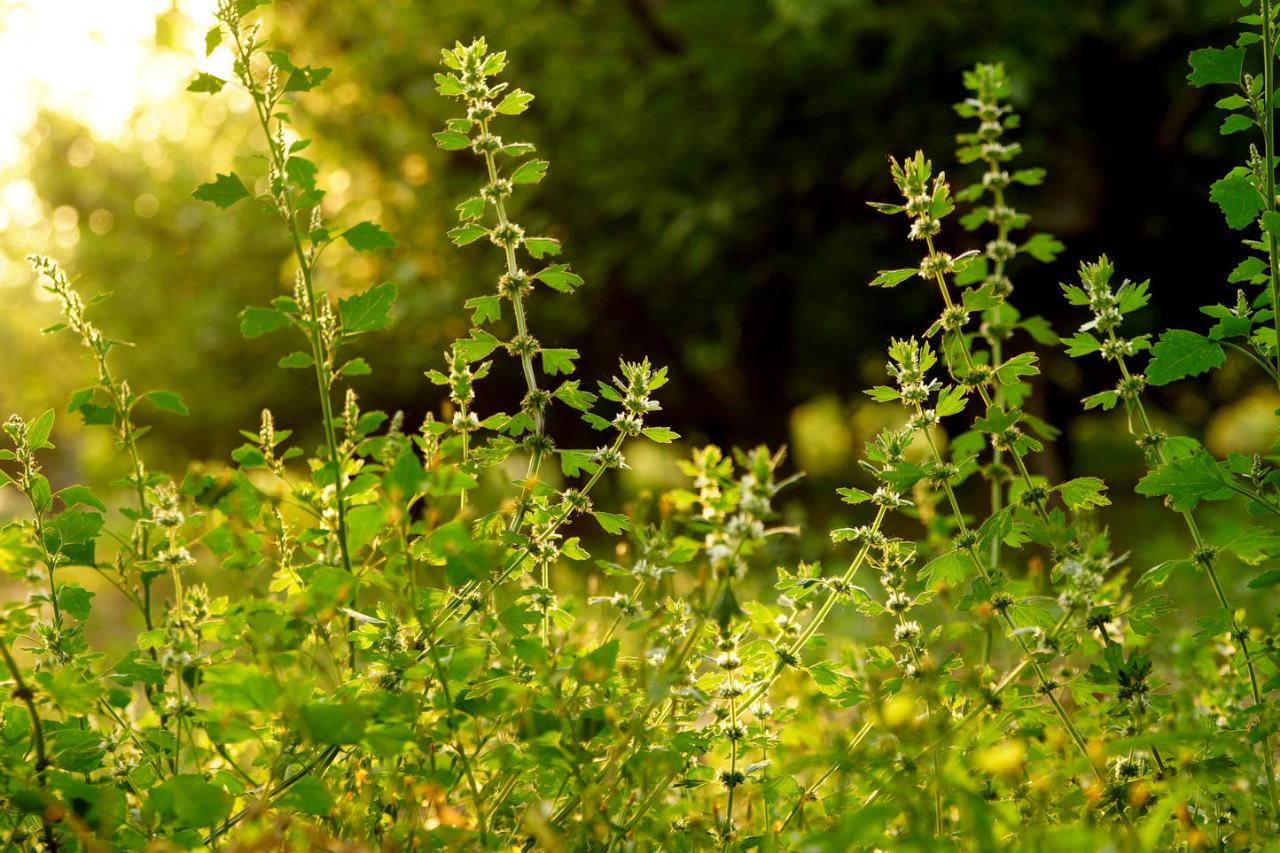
711	160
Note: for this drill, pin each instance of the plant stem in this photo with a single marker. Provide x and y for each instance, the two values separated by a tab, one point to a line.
1027	651
987	399
1239	631
1268	132
824	610
477	797
27	697
526	357
318	353
727	837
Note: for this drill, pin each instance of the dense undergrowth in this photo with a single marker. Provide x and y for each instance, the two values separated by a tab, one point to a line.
438	635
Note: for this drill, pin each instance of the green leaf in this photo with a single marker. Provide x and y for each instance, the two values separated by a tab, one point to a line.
212	39
1144	616
333	724
1106	399
572	395
662	435
72	527
73	495
558	361
484	309
515	103
558	277
241	687
1156	576
256	321
368	311
168	401
1081	343
951	401
1181	353
363	523
892	278
207	83
368	236
225	191
530	172
951	569
1042	247
469	233
1266	579
308	795
1247	269
597	665
1084	493
197	803
451	140
448	85
538	247
75	600
1186	481
472	208
464	559
296	360
355	367
1254	546
612	522
39	428
1022	364
1215	65
478	346
1239	200
1235	123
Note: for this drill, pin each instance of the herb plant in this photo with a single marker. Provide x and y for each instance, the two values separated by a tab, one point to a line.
400	638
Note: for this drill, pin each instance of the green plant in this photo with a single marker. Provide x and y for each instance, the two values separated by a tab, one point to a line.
401	639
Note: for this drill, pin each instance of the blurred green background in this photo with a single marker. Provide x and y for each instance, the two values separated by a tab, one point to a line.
711	160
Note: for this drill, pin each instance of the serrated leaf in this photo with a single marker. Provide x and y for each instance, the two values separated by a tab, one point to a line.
1215	65
530	172
1181	353
225	191
558	360
892	278
1042	247
476	347
168	401
612	522
1084	493
1235	123
484	309
662	435
256	321
368	236
951	568
469	233
207	83
1022	364
39	428
368	311
558	277
355	367
1104	399
1247	269
515	103
540	247
1186	481
451	140
1236	197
